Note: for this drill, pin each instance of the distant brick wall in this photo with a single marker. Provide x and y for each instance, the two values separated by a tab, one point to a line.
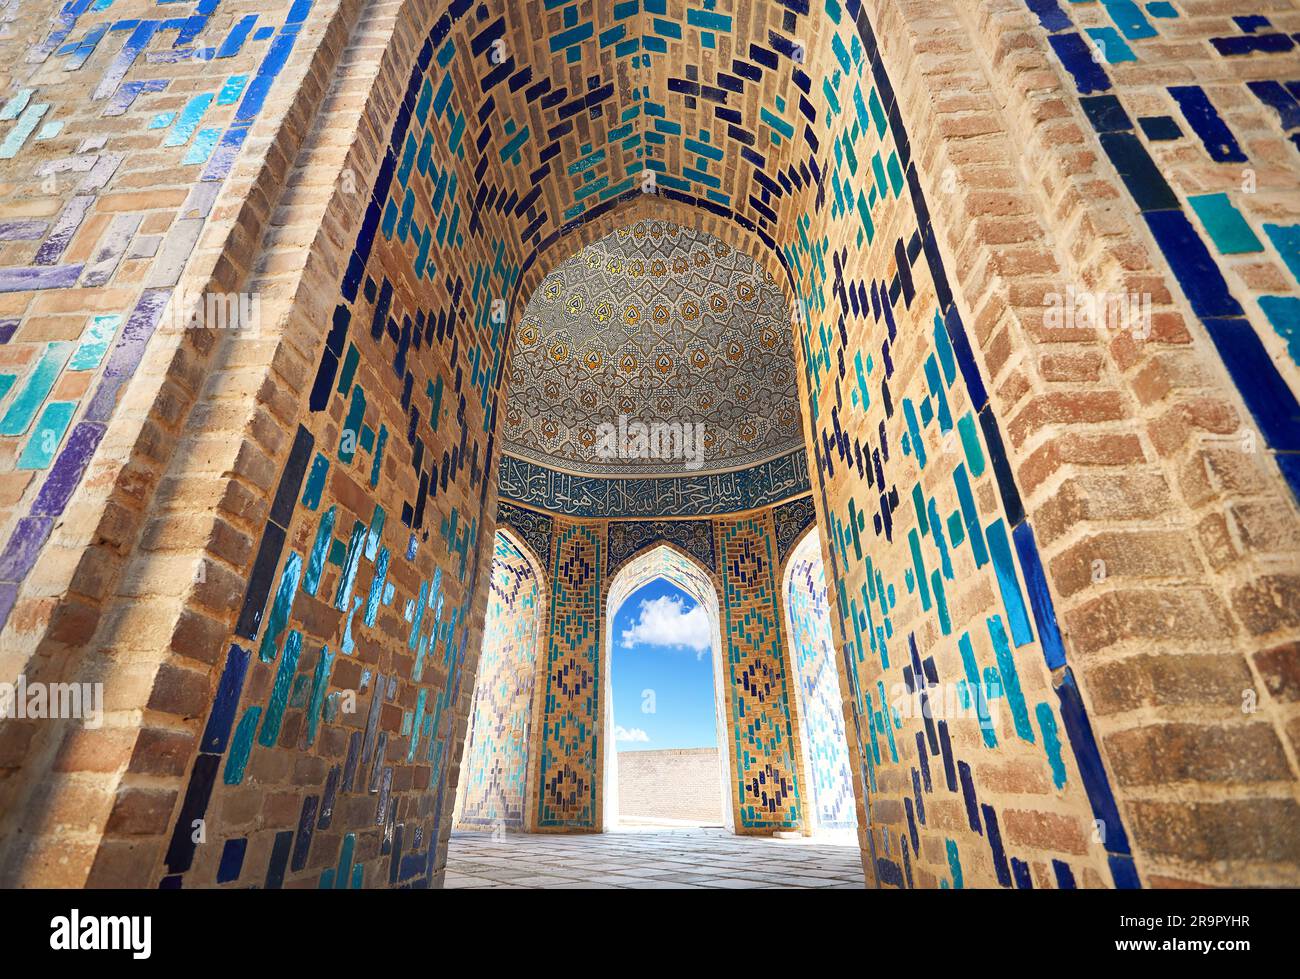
679	783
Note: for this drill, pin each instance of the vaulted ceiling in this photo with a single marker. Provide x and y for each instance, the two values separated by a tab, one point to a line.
654	324
717	101
529	130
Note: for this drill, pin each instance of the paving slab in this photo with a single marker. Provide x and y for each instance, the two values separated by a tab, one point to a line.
649	858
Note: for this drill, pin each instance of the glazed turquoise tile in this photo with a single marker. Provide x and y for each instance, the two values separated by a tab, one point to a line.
280	690
94	343
241	745
1224	224
46	437
280	607
38	385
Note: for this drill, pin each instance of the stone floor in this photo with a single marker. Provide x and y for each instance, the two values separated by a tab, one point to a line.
649	857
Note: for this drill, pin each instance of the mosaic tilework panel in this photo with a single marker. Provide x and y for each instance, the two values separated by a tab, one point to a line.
1215	226
821	711
753	693
628	537
659	561
650	497
545	149
759	689
494	772
534	529
569	742
118	128
792	519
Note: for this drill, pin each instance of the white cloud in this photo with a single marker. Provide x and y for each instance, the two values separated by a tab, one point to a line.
666	621
622	733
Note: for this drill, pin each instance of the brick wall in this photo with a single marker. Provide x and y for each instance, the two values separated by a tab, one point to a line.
675	783
1037	166
149	182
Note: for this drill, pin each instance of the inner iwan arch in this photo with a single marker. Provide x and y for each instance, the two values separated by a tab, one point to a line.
451	213
696	581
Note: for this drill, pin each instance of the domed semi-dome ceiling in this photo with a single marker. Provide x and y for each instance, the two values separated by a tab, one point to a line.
653	324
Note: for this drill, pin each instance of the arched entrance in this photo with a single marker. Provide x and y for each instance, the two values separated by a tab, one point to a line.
831	806
493	786
663	562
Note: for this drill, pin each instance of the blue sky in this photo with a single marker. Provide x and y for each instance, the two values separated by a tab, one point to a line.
660	644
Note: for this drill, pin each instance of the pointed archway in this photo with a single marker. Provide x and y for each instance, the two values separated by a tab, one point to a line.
830	801
663	561
492	790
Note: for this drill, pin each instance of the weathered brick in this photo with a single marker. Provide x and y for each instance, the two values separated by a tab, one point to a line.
1231	830
1169	680
162	752
1147	614
1160	754
1280	669
1045	830
141	812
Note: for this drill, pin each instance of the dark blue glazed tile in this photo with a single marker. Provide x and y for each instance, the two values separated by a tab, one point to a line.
286	494
911	822
306	828
1020	871
180	854
1266	394
961	348
968	795
1197	272
1006	480
1160	128
889	872
1076	55
1088	757
1250	23
1106	113
395	863
279	860
216	735
1204	119
1138	171
1040	599
923	757
1050	15
1240	45
1064	875
994	837
329	798
259	582
945	750
1289	463
1124	873
232	860
1275	95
